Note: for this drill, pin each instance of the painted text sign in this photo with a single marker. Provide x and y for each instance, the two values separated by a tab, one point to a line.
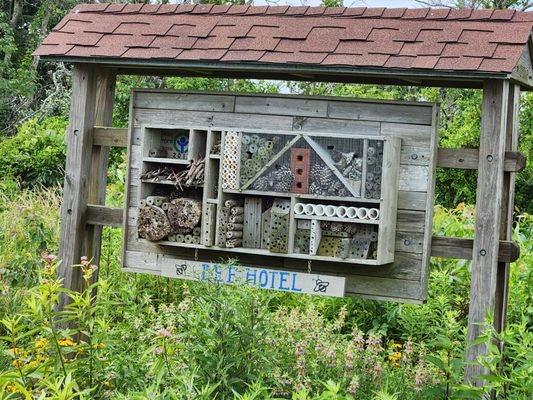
287	281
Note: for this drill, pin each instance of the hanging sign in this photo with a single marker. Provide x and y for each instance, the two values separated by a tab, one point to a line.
286	281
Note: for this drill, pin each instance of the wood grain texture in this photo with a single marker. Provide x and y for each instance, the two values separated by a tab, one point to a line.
112	137
77	170
488	218
469	159
105	99
104	216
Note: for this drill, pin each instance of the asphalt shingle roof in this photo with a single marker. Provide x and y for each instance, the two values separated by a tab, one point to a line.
422	38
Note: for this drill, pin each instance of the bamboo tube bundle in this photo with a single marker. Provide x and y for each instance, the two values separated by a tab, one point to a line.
184	214
152	223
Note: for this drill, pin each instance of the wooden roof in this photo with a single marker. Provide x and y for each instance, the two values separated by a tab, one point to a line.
246	41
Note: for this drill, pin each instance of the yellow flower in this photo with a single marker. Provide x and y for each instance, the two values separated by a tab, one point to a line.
395	365
32	363
108	384
66	343
100	345
41	343
12	388
397	354
17	363
396	346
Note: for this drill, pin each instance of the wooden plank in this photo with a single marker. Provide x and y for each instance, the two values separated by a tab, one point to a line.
378	286
77	170
506	227
460	248
469	159
105	99
488	218
105	216
415	155
402	113
430	205
414	178
252	222
141	260
202	118
184	101
112	137
412	135
410	221
414	201
309	124
389	195
281	106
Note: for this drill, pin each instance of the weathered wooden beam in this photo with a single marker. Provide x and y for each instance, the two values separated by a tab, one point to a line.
77	171
488	218
112	137
469	159
449	247
105	98
506	227
104	216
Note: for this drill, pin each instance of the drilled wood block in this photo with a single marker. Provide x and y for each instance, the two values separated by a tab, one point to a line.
252	222
300	167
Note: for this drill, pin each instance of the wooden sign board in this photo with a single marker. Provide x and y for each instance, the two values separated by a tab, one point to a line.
285	281
264	200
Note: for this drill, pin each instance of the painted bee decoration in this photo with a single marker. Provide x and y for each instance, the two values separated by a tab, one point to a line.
320	286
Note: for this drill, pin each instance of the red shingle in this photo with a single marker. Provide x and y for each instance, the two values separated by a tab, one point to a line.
52	49
400	62
115	8
193	54
151	52
509	34
238	9
214	42
174	42
425	62
506	51
523	17
394	12
90	8
373	12
473	49
431	49
259	38
296	10
334	11
276	57
481	14
315	11
411	49
167	9
502	15
259	10
150	8
416	13
365	60
242	55
354	12
202	9
132	8
497	65
220	9
438	13
460	13
275	10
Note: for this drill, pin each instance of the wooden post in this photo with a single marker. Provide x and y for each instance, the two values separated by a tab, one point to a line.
105	97
488	218
77	172
506	227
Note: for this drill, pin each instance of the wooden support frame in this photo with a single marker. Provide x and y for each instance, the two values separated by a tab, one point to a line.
489	202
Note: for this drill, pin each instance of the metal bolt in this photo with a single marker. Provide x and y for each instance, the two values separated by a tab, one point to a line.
407	242
483	252
490	158
414	156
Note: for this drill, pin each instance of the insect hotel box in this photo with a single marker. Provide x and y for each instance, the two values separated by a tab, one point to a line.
326	197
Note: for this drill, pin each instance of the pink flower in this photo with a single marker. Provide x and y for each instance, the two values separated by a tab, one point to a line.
83	259
50	258
158	351
163	332
93	267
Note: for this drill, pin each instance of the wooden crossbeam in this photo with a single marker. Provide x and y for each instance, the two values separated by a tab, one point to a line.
446	158
469	159
441	246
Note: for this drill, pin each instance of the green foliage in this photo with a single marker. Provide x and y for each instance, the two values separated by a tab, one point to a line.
35	157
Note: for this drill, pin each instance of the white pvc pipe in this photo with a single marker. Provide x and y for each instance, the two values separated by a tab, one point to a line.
309	209
319	210
299	209
150	201
373	213
142	203
341	211
362	213
351	212
330	211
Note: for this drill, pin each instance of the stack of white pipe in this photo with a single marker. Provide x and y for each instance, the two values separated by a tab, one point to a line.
320	210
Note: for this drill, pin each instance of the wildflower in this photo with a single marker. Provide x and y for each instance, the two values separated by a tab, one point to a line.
377	370
158	351
50	258
41	344
12	388
332	358
300	349
66	343
163	332
108	384
17	363
396	346
93	268
84	259
354	385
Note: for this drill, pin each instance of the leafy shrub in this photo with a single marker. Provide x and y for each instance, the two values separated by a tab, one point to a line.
35	156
